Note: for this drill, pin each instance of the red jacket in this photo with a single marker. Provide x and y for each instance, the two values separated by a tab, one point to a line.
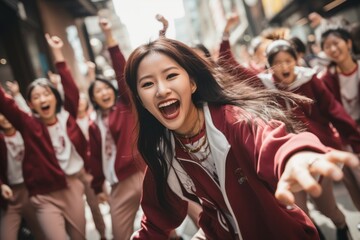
122	123
228	62
41	170
249	162
331	80
325	110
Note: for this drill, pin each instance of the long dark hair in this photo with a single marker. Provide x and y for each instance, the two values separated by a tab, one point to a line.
337	32
91	91
154	141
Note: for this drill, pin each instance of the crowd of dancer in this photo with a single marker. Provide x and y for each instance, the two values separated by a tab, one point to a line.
233	144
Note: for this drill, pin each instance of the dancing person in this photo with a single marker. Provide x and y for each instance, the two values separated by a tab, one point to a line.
55	152
288	76
224	150
114	155
342	78
14	198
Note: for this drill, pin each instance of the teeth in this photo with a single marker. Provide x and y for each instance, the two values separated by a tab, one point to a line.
165	104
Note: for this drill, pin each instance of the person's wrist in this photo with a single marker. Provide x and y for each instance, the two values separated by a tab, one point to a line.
226	35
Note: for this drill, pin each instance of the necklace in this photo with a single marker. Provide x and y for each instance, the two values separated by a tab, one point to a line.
202	142
192	129
200	152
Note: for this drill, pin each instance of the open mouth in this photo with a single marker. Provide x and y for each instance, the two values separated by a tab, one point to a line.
286	75
45	108
106	100
169	109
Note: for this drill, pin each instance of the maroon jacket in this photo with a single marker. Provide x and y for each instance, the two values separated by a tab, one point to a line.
325	110
331	80
250	160
41	170
228	62
122	122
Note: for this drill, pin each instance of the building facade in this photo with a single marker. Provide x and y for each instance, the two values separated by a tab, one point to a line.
24	54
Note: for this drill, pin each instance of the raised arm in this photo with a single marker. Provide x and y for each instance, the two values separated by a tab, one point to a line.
117	58
95	163
19	99
71	91
227	59
225	54
164	22
12	112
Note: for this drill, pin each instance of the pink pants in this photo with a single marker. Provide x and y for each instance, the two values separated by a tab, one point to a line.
62	212
124	202
325	203
19	206
93	203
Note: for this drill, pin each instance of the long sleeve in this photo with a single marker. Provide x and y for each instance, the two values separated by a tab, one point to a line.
20	101
269	146
157	222
229	63
71	91
95	163
118	62
12	112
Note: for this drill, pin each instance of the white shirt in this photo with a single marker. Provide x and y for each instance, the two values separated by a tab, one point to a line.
15	155
108	150
83	123
349	90
69	159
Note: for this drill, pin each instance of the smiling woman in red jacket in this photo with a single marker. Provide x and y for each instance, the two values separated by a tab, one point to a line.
55	152
223	149
114	155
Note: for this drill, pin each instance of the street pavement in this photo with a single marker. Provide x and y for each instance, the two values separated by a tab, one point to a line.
346	206
187	229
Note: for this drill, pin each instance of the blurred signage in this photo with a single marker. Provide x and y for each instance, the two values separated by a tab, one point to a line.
273	7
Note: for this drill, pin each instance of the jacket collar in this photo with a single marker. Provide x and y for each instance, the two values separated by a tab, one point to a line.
219	146
303	75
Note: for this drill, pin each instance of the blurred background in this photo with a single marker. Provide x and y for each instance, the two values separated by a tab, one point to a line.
24	55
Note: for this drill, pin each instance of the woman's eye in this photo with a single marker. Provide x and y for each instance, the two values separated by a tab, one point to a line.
146	84
172	75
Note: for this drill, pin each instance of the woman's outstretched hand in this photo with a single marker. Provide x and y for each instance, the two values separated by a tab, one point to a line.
303	168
